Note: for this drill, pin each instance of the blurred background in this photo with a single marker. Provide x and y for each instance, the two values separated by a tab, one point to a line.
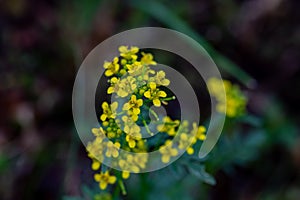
255	43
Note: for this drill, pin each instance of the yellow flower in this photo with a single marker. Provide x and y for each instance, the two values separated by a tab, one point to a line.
147	59
112	149
128	53
128	165
160	79
186	140
234	104
109	111
96	148
154	94
104	179
130	126
113	85
141	159
132	140
95	165
132	130
133	105
126	86
125	174
168	126
199	132
167	151
140	146
135	69
111	67
99	132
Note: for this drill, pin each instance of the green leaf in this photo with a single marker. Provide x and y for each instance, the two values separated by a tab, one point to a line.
198	170
177	170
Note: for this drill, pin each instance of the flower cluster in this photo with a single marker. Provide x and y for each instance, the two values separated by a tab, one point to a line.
137	86
234	104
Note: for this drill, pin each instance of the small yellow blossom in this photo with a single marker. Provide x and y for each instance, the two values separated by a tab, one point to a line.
126	86
96	148
129	53
99	133
104	179
135	69
111	67
155	94
168	126
132	140
133	105
112	149
130	127
167	152
128	165
160	79
109	111
132	130
198	132
186	140
234	103
113	85
125	174
147	59
141	159
96	165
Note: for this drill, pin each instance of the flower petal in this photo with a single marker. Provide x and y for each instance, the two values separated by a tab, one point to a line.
156	102
112	179
103	117
162	94
102	185
147	94
125	174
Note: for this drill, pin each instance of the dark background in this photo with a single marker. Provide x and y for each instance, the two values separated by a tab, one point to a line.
254	43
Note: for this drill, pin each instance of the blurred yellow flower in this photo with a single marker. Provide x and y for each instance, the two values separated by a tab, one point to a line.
199	132
160	79
233	102
167	151
147	59
128	165
96	165
125	86
112	149
132	139
135	69
186	141
168	126
104	179
99	132
111	67
141	159
129	53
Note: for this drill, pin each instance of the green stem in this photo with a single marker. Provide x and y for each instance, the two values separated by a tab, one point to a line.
154	114
147	128
120	113
168	98
123	189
